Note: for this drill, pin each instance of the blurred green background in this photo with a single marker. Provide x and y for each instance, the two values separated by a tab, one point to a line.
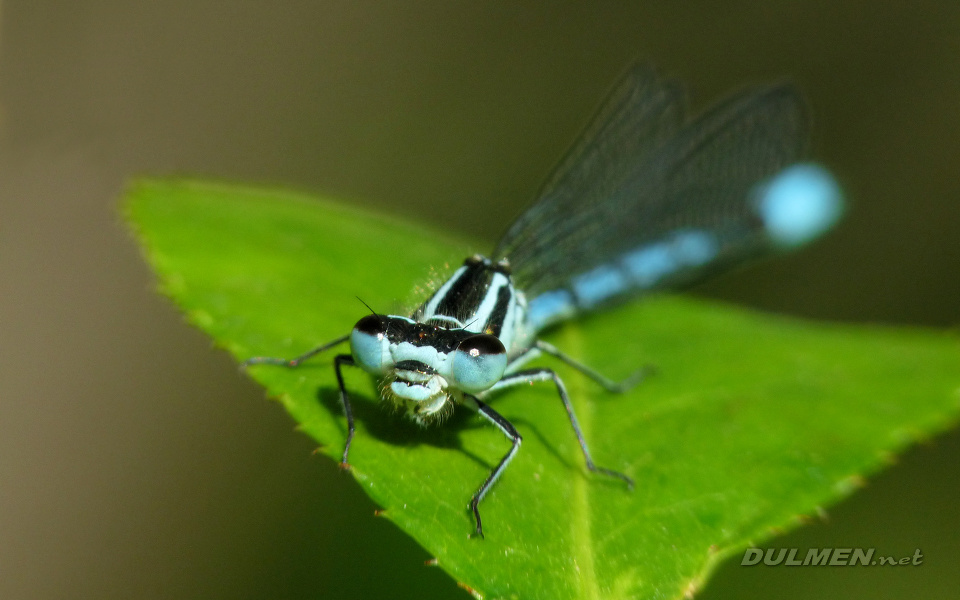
137	462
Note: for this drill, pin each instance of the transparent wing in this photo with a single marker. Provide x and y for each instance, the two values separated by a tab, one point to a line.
637	118
644	200
640	114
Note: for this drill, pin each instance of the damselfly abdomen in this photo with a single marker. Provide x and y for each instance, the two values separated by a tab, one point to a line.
645	200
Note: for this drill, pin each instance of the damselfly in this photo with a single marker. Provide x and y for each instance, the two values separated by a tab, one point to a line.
644	200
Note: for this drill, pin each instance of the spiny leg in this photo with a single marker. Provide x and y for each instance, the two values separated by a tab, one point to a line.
338	361
511	432
544	374
611	386
293	362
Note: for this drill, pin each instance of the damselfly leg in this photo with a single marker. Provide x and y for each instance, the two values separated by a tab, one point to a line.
338	362
508	430
545	374
294	362
617	387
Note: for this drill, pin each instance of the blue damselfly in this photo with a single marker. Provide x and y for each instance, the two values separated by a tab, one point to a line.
645	200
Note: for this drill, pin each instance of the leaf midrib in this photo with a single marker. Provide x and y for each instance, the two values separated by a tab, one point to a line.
580	524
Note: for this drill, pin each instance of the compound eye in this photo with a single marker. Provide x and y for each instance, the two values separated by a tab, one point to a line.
368	343
478	363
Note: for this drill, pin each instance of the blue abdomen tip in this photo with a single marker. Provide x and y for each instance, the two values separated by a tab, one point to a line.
799	204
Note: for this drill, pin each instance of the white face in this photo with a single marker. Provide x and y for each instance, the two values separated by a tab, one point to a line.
419	373
425	395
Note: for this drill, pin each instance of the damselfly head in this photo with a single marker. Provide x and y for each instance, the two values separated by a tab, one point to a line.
423	367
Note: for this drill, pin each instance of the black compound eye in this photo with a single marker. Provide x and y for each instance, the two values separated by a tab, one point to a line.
482	345
371	325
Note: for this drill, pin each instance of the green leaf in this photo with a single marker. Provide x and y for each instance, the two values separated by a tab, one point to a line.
753	420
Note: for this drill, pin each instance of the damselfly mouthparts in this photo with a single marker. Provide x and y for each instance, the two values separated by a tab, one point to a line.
644	200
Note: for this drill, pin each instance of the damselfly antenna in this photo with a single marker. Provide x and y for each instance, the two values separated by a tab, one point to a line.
373	312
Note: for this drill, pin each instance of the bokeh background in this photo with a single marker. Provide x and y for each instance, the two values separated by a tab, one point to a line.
137	462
